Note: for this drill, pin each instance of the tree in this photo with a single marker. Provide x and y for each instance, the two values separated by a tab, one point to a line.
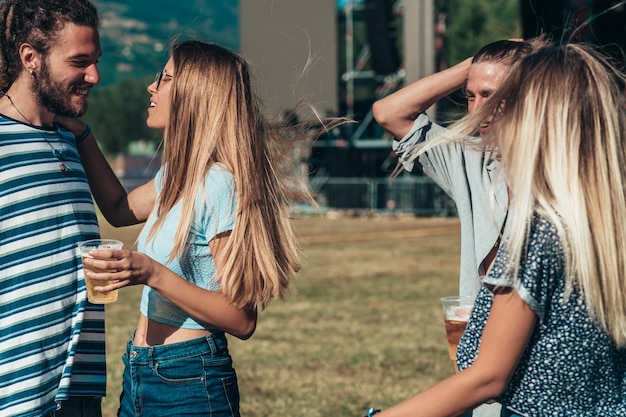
472	24
117	115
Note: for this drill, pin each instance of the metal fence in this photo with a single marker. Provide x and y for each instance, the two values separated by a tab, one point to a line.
405	194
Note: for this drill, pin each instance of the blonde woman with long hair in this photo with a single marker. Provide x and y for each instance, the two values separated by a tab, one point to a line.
547	335
218	243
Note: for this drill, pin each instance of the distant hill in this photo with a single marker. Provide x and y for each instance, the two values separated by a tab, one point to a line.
136	35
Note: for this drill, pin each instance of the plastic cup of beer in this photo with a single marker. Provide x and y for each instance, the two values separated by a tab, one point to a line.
98	297
456	313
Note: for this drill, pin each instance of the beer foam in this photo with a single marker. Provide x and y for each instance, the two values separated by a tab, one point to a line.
458	313
105	246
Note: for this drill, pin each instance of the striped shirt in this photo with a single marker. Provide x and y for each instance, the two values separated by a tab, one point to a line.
51	338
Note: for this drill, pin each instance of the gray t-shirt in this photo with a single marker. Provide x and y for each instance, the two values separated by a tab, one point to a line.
473	181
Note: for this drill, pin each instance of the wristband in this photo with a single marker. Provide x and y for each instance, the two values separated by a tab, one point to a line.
371	412
80	138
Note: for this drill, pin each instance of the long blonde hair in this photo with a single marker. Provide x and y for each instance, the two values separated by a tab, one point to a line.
217	118
560	131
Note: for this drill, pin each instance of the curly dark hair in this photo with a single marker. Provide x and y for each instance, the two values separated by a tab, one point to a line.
37	22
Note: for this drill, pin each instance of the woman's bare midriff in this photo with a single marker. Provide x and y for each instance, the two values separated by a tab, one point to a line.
152	333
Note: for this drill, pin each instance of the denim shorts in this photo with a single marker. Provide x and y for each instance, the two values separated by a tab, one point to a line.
191	378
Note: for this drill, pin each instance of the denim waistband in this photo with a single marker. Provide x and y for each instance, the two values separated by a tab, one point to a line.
214	344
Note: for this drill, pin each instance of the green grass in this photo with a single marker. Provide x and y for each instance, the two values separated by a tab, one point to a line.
361	325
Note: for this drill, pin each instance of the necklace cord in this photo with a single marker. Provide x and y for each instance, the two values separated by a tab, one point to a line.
59	154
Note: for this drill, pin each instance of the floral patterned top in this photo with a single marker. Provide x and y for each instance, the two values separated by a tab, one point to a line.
570	366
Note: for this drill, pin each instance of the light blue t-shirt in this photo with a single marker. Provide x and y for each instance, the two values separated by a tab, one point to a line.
216	205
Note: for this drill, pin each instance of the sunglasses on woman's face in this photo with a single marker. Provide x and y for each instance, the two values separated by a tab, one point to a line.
162	76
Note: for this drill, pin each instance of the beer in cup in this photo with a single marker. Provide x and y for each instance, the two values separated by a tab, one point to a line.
456	313
98	297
